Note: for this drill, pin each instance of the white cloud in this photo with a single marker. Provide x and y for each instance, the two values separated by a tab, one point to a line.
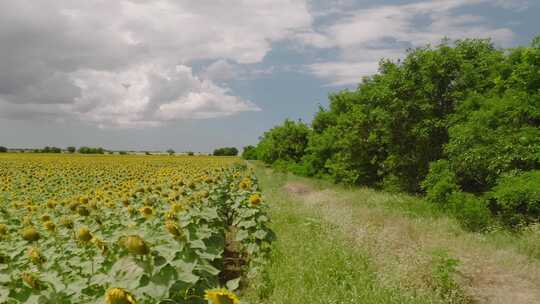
148	95
71	57
364	36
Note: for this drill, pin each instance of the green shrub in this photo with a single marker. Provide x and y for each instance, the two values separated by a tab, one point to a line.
249	153
286	142
440	182
226	151
516	198
472	212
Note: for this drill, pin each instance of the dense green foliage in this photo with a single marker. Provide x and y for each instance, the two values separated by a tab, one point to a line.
249	153
48	149
226	151
449	121
71	149
3	149
286	143
89	150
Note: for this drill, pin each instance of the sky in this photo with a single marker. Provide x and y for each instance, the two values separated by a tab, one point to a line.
196	75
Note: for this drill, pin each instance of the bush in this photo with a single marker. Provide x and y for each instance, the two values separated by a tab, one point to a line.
226	151
440	183
88	150
249	153
3	149
285	142
48	149
516	198
472	212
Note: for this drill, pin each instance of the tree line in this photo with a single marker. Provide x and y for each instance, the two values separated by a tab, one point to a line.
458	122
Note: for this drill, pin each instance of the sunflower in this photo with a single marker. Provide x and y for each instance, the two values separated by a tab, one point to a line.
84	235
30	234
146	211
66	222
255	199
220	296
101	245
31	280
35	256
49	226
173	229
3	229
119	296
136	245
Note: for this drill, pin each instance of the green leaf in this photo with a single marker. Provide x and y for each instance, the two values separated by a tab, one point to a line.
241	235
233	284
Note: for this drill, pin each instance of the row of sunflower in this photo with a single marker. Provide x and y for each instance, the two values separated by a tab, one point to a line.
128	229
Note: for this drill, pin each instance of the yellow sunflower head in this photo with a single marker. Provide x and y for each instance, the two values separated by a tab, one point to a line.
49	226
31	280
30	234
255	199
66	222
220	296
3	229
35	256
136	245
119	296
84	235
173	229
146	211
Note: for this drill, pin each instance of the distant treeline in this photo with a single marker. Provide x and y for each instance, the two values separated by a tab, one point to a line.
458	122
226	151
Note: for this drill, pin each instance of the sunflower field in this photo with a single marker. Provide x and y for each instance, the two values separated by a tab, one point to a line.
128	229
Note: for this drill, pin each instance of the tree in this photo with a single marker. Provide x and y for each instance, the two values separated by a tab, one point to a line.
286	142
170	152
3	149
71	149
226	151
89	150
249	152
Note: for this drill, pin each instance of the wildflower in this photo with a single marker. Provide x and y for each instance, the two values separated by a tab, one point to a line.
221	296
119	296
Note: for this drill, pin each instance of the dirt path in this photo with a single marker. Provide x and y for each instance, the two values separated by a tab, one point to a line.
403	248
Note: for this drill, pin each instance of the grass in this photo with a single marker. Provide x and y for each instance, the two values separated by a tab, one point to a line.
354	245
313	262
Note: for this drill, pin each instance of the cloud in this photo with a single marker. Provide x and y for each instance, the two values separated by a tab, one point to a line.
362	37
70	59
148	95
